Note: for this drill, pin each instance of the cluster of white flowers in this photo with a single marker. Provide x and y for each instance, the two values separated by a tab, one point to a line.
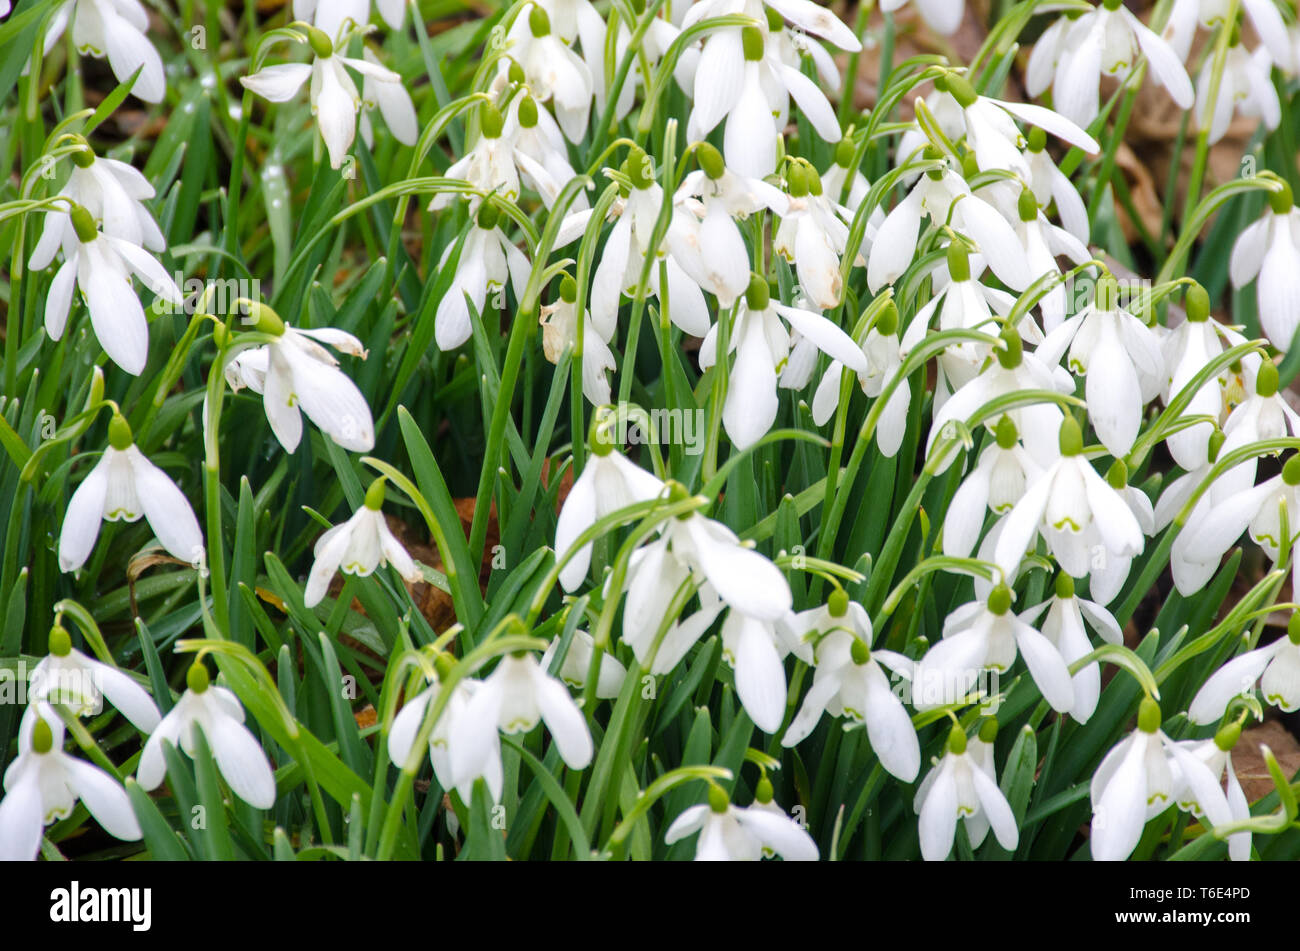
986	214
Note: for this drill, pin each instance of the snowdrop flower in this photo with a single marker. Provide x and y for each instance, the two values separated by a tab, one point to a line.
44	783
513	698
1209	801
1212	529
1246	85
1106	40
988	634
609	482
995	484
237	753
337	18
761	345
841	174
393	102
1072	508
755	649
294	372
1043	242
1276	667
849	682
1270	250
1011	371
623	255
100	266
1262	415
492	165
334	97
540	151
577	663
741	834
1049	184
487	262
707	242
560	333
1064	627
1263	14
942	16
1122	361
114	193
884	362
553	72
813	236
67	676
123	486
357	547
116	29
742	80
963	785
406	727
940	194
806	15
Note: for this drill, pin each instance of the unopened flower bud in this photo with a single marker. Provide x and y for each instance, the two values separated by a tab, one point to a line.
758	295
320	42
197	678
838	603
999	602
1197	303
710	160
957	740
60	641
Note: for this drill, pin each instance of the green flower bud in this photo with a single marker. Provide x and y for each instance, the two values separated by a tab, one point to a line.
1197	303
1014	351
515	73
763	792
220	335
677	492
758	295
1216	443
568	289
1112	5
42	737
84	157
264	319
989	730
599	438
887	321
710	160
796	180
119	433
970	165
640	168
1291	470
1149	716
1117	475
718	799
958	262
1227	738
814	181
1071	437
844	153
443	662
1037	139
1064	586
838	603
488	216
941	82
1280	201
539	21
959	88
1027	205
999	600
320	42
527	112
375	495
860	652
490	120
1006	433
197	678
83	224
60	641
1266	381
751	39
957	740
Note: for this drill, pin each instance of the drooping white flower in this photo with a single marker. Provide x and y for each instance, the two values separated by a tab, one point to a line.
806	15
1245	86
884	355
1275	667
1263	15
114	193
357	547
731	833
560	333
237	753
406	727
577	664
849	682
994	484
554	73
609	482
512	699
762	345
488	260
393	102
1270	250
963	785
334	97
69	678
1064	627
338	18
756	647
1105	41
294	372
44	783
100	266
124	486
813	237
942	16
115	29
1209	800
1264	414
1049	184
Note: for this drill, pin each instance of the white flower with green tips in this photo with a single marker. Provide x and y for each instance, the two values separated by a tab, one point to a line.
963	785
741	833
357	547
1269	250
69	678
115	29
1274	667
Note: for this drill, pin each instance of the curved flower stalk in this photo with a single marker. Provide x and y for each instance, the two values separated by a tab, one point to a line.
294	372
44	783
100	266
1275	667
995	484
742	833
357	547
553	72
761	345
1245	86
114	194
1270	251
963	785
560	333
1074	509
236	751
488	260
124	486
884	362
115	29
512	699
334	98
849	682
1064	626
1072	56
68	677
